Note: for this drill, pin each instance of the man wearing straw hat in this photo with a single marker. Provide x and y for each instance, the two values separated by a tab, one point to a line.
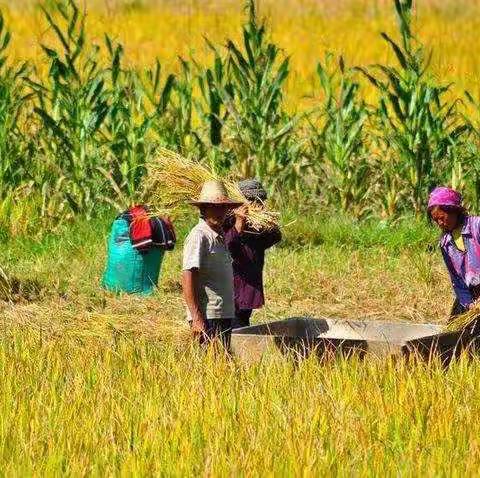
207	277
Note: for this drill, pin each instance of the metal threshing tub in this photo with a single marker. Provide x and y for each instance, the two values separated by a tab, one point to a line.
363	338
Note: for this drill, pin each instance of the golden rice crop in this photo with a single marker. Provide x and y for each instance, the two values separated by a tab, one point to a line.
92	386
172	181
462	321
99	325
348	27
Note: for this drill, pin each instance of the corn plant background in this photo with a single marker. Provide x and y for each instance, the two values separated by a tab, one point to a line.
366	130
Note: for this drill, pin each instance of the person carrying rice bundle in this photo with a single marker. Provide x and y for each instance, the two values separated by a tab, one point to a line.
207	277
136	248
460	246
247	248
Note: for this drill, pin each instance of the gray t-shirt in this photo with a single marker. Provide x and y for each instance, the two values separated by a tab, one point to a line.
206	251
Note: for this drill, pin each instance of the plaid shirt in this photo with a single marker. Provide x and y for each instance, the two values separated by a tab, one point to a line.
463	267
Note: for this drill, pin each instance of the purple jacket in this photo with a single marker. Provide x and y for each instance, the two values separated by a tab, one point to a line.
464	267
248	255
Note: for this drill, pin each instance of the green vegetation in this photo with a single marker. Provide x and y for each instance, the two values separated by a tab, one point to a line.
98	384
79	136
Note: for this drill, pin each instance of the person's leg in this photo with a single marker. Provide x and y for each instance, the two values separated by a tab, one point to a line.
456	310
218	329
242	318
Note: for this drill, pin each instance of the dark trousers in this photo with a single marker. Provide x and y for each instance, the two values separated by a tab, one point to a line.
217	329
457	309
242	318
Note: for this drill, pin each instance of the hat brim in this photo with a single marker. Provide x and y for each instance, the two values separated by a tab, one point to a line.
229	204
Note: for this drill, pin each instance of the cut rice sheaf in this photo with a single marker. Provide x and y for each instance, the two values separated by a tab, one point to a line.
461	321
172	181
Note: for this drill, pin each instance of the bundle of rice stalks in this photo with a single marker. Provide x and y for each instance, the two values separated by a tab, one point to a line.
102	327
13	289
461	321
172	181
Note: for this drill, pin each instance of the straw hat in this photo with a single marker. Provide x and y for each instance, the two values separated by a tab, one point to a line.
214	193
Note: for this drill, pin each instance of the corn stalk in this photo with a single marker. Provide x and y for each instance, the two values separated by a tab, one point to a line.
417	122
72	106
213	114
15	140
337	146
258	129
138	102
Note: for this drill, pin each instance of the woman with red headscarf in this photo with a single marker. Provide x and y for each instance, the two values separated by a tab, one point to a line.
460	245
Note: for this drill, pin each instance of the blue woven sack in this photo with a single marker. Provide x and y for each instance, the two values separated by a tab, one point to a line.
127	270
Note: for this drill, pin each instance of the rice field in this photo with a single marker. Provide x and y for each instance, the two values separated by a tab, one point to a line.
93	384
96	385
167	29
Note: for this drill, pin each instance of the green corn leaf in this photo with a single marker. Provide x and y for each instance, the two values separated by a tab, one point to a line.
5	41
395	81
218	66
284	130
54	128
73	19
248	49
167	89
325	80
116	63
109	44
397	50
370	78
50	53
242	63
56	29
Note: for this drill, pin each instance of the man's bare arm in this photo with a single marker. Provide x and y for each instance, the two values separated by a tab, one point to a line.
190	294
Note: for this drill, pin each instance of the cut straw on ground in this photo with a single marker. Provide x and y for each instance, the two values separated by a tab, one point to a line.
104	326
173	181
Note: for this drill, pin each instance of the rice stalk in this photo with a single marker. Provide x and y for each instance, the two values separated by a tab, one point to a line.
462	321
5	287
172	181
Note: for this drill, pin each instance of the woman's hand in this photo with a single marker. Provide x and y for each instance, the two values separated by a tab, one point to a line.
241	218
